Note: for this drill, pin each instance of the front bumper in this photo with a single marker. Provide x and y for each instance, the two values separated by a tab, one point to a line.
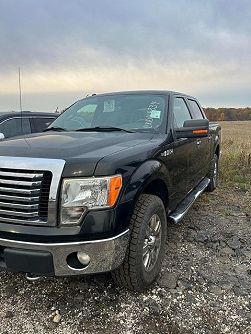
105	255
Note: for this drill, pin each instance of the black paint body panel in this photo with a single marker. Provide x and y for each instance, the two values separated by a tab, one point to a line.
138	157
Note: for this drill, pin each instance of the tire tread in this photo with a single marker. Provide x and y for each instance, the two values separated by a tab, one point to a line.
125	275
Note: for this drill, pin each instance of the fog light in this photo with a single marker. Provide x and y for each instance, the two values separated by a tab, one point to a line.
83	258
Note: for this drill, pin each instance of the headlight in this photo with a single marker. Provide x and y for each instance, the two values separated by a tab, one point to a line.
79	195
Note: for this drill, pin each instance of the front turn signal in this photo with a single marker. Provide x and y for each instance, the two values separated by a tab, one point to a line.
115	186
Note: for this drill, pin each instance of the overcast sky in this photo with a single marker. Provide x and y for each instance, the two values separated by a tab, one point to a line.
67	49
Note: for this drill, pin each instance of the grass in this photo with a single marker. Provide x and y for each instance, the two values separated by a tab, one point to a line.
235	167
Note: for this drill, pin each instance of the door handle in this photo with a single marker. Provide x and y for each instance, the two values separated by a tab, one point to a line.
198	142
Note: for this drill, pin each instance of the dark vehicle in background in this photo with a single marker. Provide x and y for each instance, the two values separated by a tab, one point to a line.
17	124
95	191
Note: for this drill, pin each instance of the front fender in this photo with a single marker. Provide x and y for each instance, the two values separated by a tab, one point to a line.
146	173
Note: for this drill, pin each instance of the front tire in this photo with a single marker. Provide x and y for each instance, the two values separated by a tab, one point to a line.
146	249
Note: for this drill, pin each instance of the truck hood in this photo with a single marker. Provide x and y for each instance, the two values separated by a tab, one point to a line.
80	150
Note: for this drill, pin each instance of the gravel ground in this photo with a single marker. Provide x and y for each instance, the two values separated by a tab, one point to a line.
204	285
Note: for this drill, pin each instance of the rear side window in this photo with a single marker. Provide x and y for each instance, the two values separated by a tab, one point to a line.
181	112
15	127
41	123
195	109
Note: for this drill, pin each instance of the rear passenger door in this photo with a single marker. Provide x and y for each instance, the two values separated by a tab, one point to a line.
200	158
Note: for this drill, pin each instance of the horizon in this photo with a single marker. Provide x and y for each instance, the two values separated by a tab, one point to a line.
124	46
78	97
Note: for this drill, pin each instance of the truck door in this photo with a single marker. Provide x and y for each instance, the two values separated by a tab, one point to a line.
200	157
176	155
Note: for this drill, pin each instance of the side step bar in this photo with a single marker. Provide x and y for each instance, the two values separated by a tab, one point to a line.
176	215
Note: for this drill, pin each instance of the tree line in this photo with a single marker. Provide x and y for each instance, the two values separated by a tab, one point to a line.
228	114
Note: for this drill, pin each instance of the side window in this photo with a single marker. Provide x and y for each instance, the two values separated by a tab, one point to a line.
15	127
41	123
26	127
180	111
197	114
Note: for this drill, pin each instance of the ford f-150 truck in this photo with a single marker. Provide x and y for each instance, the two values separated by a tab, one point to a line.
94	192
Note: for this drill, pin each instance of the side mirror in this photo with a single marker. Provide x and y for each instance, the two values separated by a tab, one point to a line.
195	128
2	136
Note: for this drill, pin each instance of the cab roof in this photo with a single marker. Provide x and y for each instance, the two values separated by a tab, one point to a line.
162	92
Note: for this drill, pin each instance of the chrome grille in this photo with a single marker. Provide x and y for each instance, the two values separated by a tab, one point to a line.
24	196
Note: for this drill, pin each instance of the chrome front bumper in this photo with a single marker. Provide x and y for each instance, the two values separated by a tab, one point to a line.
105	255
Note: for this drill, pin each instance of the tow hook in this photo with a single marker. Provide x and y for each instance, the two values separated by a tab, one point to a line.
32	278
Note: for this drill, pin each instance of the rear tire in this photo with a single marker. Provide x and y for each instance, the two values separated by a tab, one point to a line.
146	249
213	174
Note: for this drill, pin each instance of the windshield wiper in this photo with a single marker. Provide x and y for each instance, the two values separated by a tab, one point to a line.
104	128
54	128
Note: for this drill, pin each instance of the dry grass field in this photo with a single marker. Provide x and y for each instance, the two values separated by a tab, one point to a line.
236	154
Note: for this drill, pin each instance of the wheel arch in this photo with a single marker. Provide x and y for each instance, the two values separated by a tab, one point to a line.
158	188
152	177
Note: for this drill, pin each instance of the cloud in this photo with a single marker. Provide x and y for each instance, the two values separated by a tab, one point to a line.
70	46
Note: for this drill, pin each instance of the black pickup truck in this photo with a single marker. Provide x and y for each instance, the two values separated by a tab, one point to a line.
94	192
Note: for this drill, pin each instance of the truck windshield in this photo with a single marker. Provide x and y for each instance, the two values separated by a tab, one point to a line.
132	112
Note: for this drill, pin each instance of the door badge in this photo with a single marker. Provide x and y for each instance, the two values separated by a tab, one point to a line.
167	153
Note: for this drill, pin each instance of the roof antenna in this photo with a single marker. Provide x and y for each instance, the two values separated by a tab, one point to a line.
20	99
20	89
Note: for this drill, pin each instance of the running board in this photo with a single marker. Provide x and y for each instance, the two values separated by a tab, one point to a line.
176	215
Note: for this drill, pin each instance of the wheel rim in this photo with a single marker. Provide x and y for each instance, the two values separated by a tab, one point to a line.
215	173
152	242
